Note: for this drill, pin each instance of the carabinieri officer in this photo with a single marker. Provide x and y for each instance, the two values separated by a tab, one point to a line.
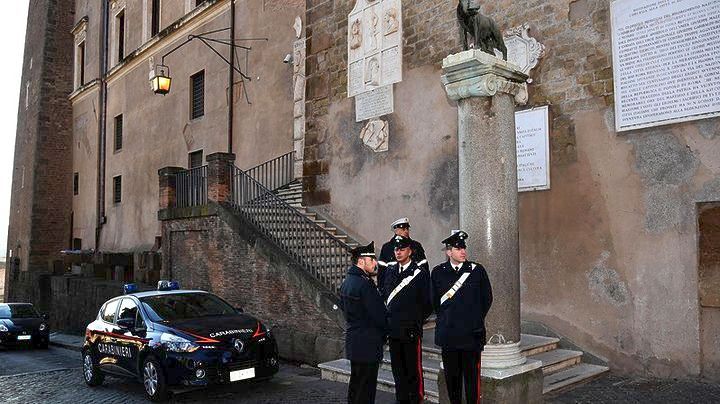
367	325
462	297
401	227
406	290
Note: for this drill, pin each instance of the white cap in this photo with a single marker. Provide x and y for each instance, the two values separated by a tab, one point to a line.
402	220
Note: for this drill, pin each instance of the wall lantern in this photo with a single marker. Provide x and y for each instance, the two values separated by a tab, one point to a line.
161	81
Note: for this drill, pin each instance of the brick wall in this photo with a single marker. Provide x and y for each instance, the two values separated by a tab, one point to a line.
221	254
42	176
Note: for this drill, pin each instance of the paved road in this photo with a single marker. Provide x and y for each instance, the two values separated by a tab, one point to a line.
54	375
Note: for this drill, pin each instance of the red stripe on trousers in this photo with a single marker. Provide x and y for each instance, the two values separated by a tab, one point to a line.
479	380
421	381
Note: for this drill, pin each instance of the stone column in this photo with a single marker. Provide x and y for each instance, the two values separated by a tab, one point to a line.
219	176
487	90
168	190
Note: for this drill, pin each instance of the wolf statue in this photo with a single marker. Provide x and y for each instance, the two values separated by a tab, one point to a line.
485	33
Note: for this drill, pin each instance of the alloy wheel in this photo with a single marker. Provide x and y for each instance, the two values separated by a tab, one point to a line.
150	378
87	367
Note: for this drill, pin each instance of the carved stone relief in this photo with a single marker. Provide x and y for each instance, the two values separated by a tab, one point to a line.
523	50
375	135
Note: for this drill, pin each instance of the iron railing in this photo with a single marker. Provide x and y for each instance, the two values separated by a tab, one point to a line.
191	187
310	245
274	173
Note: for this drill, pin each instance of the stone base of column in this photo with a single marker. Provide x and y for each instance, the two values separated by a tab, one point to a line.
502	356
521	384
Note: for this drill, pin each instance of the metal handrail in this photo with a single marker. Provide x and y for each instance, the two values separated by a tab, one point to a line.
275	173
311	246
191	187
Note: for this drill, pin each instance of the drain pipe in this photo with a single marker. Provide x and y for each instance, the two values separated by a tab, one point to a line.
231	77
102	118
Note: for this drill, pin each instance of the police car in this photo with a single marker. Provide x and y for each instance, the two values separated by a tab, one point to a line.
172	338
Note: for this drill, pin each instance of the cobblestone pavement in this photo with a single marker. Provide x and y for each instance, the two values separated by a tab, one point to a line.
53	376
616	389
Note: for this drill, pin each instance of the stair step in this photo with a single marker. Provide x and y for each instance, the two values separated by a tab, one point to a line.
339	371
535	344
572	376
557	359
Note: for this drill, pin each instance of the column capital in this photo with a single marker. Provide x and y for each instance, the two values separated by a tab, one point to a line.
474	73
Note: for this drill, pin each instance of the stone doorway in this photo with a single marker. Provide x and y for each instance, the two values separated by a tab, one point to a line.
709	288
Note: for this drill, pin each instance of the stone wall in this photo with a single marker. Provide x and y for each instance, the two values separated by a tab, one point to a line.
2	284
608	255
221	254
76	301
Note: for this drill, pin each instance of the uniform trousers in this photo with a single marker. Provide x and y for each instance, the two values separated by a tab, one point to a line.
406	357
363	382
459	366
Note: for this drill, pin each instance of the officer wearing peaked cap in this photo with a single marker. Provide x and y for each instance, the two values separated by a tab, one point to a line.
367	324
401	227
406	289
462	297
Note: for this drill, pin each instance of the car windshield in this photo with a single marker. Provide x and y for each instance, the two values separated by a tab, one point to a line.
17	311
181	306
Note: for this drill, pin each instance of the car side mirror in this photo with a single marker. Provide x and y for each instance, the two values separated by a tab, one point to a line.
45	316
127	323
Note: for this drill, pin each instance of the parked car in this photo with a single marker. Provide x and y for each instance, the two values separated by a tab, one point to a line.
21	324
172	338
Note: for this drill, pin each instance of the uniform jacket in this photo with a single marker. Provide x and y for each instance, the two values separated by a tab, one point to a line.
387	257
366	317
460	320
412	305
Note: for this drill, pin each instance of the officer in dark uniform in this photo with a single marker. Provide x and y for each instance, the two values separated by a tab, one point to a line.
406	290
462	296
367	325
400	227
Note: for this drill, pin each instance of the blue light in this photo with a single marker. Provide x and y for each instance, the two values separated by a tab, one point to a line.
168	285
130	288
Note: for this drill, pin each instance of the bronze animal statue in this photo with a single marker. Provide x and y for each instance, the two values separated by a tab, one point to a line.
485	33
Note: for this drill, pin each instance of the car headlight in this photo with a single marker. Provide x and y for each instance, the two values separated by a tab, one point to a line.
174	343
42	327
3	328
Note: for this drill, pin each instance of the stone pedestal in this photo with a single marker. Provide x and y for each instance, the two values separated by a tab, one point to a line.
487	90
219	176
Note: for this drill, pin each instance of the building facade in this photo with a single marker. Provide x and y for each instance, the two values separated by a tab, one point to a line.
619	256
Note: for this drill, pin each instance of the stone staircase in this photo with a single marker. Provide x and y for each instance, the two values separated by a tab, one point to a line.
562	368
292	195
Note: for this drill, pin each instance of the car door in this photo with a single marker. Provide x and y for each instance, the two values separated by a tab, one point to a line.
129	339
107	346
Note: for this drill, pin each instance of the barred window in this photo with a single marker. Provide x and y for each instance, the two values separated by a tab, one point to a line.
195	159
120	21
117	189
76	183
197	95
81	63
118	132
155	23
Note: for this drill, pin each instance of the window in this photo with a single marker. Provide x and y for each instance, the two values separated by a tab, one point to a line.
155	15
81	64
128	310
199	2
77	244
117	189
195	159
118	132
108	312
197	95
120	24
76	183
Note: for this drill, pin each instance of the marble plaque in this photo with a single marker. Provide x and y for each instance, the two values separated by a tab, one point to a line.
374	45
375	135
533	151
666	61
523	50
374	103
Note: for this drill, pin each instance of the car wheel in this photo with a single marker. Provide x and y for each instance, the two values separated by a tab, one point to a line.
153	377
92	375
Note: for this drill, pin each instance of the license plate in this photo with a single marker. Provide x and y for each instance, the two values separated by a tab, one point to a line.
243	374
24	337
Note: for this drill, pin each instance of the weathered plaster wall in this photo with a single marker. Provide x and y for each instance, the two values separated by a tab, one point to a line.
609	254
158	131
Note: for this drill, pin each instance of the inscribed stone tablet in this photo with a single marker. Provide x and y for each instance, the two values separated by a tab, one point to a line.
392	68
666	61
533	153
374	103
